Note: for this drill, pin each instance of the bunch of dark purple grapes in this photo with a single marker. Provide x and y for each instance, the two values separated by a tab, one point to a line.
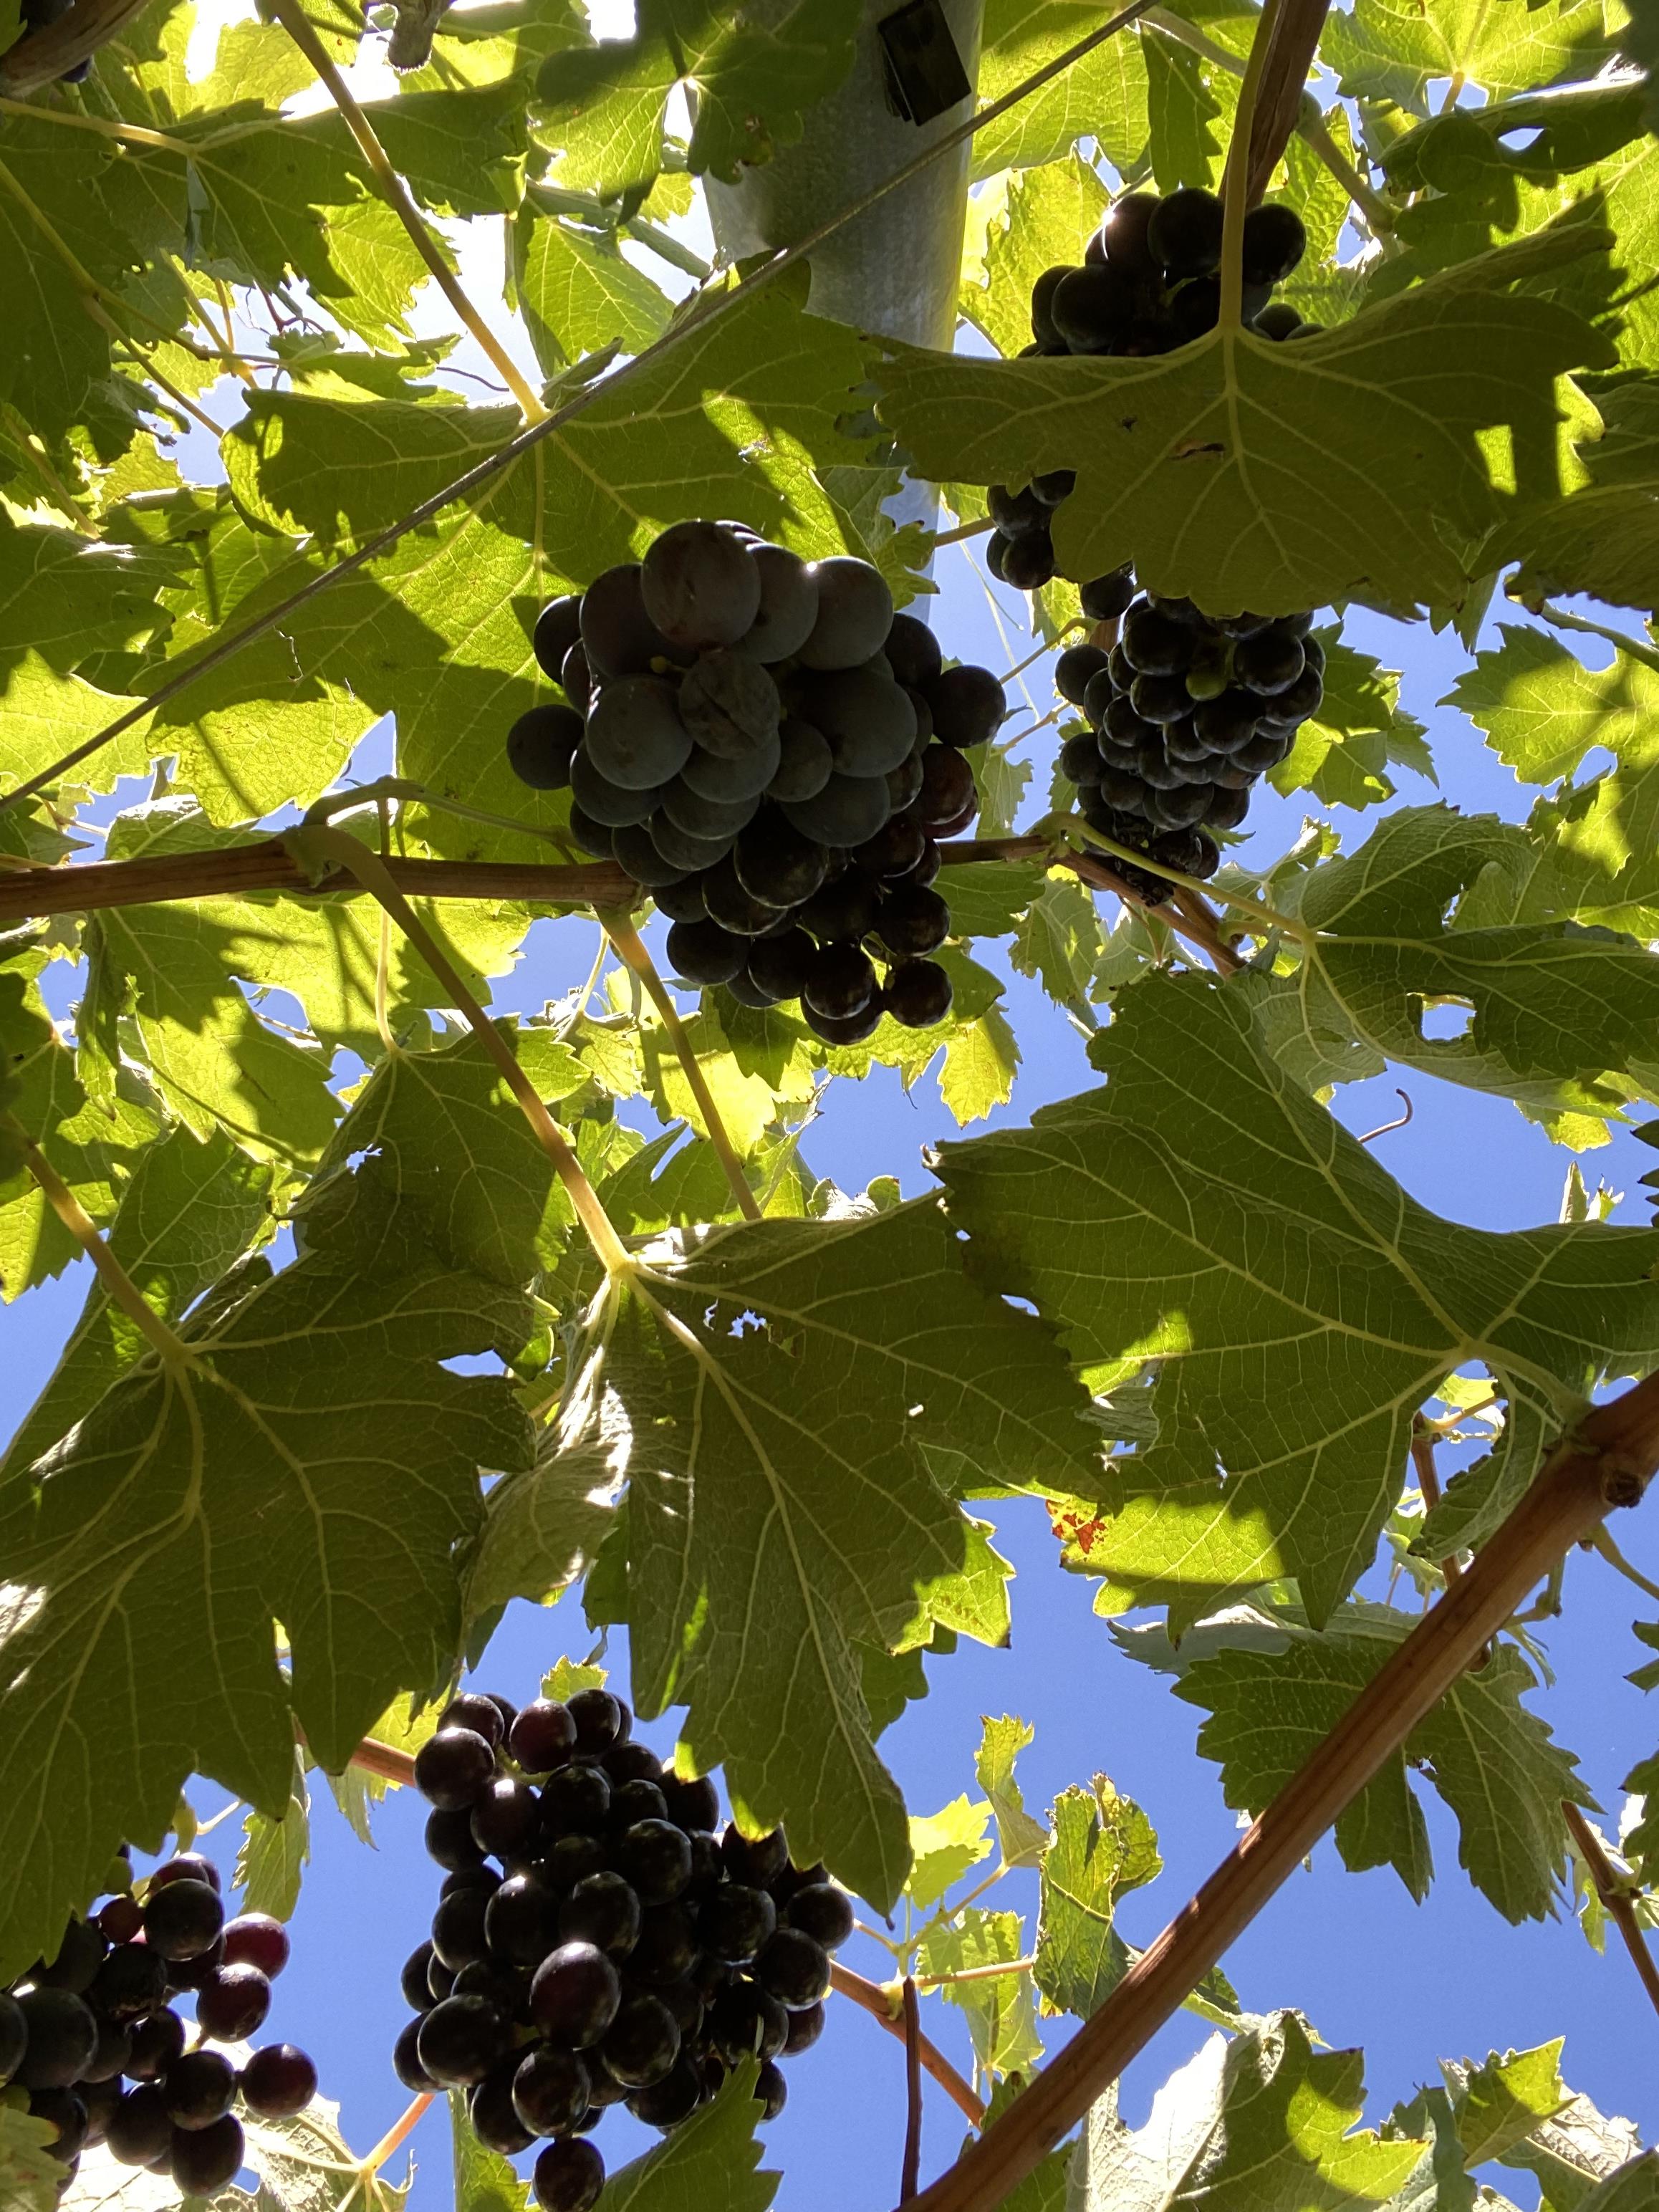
73	2027
1186	711
1150	282
622	1950
773	753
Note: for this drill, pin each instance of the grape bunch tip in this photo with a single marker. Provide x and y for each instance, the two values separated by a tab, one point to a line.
774	754
92	2036
598	1939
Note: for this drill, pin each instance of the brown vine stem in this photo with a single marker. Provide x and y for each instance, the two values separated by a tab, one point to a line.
716	306
1615	1899
44	56
1279	98
1428	1481
1606	1461
910	2170
872	1997
397	197
122	1290
633	955
1235	182
376	878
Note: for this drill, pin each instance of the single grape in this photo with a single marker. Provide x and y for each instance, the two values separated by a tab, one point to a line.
1075	668
1195	308
775	864
1160	698
121	1919
569	1860
845	909
575	1799
636	737
776	966
641	2044
703	952
1154	645
822	1912
866	717
139	2131
460	2040
699	586
968	705
635	849
131	1981
505	1817
713	777
1104	597
1080	758
1183	742
636	1773
912	652
62	2035
771	2090
1275	240
406	2059
911	920
746	992
805	762
618	636
997	550
1028	563
1055	485
558	627
458	1926
551	2090
855	612
594	838
1269	663
666	2103
1042	300
677	850
805	2027
186	1866
544	1735
794	1968
603	1911
697	816
1183	234
454	1768
183	1920
746	2019
234	2003
1014	512
79	1956
568	2175
156	2045
841	982
541	745
575	1995
682	900
848	809
1190	850
521	1921
14	2035
1123	231
896	850
203	2159
494	2116
947	787
693	1801
729	704
256	1938
732	907
918	993
1228	722
655	1858
788	605
449	1839
198	2089
665	1948
1093	308
101	2100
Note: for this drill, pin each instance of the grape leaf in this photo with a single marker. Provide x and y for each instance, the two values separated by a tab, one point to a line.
1384	51
61	597
1202	1209
1241	473
543	1526
1103	96
577	292
195	1501
189	1211
1100	1846
1047	217
1542	710
1548	998
1021	1838
1274	1687
1576	2153
943	1846
751	83
276	1851
44	715
712	2159
772	1480
1183	108
1499	2104
1001	2008
1343	752
305	2164
1262	2122
29	2175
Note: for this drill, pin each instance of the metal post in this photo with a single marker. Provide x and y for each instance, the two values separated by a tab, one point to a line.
897	269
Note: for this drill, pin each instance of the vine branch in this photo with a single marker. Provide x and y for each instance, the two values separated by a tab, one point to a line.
122	1291
1606	1461
910	2170
632	953
1616	1898
871	1997
715	306
1291	47
47	54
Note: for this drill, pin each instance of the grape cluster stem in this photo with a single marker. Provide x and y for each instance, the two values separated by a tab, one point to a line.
1604	1462
910	2170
